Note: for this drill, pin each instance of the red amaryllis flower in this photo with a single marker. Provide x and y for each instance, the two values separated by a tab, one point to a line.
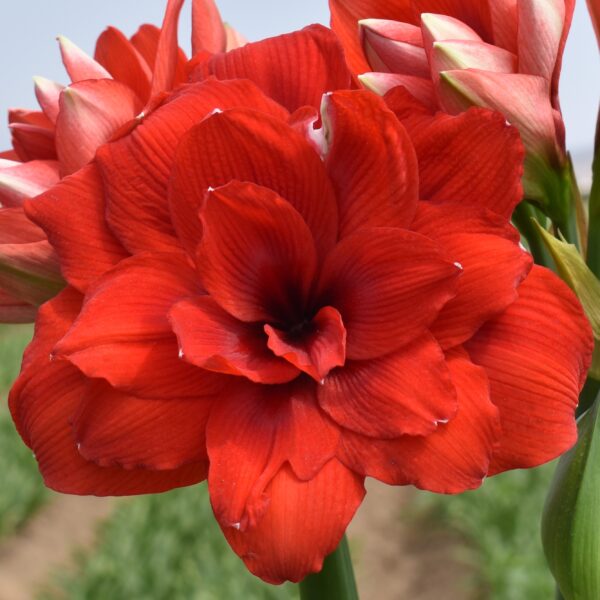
505	55
286	309
125	79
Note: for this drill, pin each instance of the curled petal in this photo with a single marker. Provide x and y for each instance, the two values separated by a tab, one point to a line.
257	257
47	93
315	351
212	339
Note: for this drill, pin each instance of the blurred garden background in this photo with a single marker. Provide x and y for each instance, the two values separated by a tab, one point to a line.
406	544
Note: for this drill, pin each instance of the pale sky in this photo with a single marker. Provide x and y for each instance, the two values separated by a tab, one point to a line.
28	29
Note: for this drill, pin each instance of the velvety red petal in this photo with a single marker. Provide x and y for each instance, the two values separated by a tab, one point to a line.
388	284
304	523
487	248
72	215
208	31
454	458
407	392
43	402
318	349
91	112
136	169
294	69
251	433
257	257
145	41
123	334
164	72
536	355
212	339
474	157
19	181
246	145
371	162
124	62
116	429
493	268
345	15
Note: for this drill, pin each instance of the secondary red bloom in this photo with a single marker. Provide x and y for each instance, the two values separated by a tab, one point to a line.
286	309
124	81
501	54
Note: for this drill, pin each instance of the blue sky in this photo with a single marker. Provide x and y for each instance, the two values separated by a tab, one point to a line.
28	29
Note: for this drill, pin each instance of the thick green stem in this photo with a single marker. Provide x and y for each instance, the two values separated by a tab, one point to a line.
593	249
336	579
523	220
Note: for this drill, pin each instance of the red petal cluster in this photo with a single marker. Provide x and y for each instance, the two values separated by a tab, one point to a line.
285	302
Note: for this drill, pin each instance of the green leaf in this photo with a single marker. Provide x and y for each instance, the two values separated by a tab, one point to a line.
571	520
572	268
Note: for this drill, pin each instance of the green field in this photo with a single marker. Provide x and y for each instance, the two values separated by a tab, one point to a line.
169	546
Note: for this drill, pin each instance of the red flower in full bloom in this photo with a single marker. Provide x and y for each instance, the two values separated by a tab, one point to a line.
285	303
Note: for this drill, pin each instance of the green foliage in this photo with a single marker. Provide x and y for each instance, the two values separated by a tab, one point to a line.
501	523
164	547
22	490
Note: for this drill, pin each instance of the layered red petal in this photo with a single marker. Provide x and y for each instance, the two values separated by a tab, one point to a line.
278	66
112	428
536	355
406	392
451	460
43	401
136	169
304	522
388	285
371	162
248	145
72	215
257	256
315	347
211	338
123	334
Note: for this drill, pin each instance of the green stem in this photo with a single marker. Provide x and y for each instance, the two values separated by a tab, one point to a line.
588	395
593	250
336	579
522	218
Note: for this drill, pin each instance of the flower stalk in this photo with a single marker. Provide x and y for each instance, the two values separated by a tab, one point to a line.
593	251
335	580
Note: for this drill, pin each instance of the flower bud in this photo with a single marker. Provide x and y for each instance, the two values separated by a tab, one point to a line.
571	520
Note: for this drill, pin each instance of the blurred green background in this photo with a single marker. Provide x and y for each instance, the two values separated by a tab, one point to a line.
168	547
